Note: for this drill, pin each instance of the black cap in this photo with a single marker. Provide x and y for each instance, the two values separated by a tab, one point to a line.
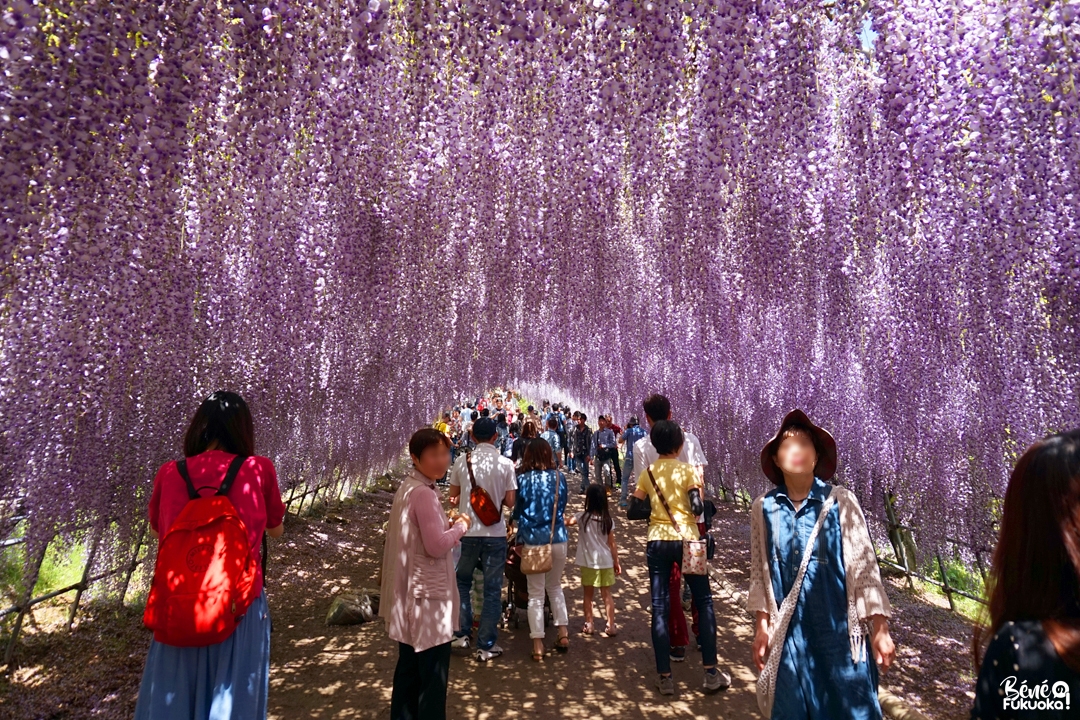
483	429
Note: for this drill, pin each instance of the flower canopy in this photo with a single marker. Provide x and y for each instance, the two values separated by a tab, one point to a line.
352	212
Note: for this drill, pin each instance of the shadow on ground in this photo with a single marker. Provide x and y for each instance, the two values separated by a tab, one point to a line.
346	672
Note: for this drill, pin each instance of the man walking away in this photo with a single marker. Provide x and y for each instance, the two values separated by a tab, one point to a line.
631	435
583	444
551	435
486	468
605	448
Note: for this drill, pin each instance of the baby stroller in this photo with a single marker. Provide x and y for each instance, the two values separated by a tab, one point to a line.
517	589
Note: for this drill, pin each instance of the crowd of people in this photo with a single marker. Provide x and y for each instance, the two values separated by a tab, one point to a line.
820	610
505	453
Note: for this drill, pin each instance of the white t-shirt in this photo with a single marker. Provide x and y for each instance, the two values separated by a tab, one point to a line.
592	549
645	454
495	474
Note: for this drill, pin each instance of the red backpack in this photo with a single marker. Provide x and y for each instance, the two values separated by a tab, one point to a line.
205	572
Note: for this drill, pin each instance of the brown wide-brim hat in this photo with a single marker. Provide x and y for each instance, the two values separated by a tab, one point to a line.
826	462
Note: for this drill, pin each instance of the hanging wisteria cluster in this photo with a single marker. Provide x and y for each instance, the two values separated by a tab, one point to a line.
352	212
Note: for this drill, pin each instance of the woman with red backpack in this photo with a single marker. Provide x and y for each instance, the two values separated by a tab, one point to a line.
210	657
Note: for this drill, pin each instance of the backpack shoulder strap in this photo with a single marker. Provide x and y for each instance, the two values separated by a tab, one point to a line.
230	474
181	467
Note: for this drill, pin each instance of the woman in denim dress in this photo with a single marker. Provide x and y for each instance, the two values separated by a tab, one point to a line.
818	677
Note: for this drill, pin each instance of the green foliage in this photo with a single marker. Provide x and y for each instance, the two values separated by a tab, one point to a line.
63	565
961	576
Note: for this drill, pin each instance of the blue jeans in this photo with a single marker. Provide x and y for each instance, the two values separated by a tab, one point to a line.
628	479
603	455
660	555
490	552
583	462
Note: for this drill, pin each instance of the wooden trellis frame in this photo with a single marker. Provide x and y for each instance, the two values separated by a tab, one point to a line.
729	495
24	606
27	602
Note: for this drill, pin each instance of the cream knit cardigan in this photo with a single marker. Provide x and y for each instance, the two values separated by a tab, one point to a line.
865	592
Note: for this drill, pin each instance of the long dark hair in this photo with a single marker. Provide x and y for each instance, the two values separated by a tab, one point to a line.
536	456
1036	570
596	506
225	417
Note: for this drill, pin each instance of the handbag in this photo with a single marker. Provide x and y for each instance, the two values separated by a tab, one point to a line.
779	619
536	559
483	506
694	552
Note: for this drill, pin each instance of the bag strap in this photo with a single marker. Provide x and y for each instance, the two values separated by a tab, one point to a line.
787	606
554	509
230	475
181	467
663	501
223	489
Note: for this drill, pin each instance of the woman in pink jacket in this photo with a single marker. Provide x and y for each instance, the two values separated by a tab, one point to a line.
419	596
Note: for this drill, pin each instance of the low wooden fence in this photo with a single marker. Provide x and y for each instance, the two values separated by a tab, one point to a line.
727	494
335	489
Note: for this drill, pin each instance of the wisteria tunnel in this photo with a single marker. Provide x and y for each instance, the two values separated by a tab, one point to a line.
356	213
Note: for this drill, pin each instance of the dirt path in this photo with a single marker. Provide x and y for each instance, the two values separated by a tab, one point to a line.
346	672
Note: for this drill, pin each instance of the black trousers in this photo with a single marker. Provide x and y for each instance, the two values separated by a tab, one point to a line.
420	683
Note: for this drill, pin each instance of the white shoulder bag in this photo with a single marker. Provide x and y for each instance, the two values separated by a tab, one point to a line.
779	619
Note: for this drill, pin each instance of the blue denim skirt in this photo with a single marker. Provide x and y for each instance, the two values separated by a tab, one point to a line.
226	681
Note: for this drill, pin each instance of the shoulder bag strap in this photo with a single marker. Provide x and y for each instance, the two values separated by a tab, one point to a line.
788	604
664	502
778	625
555	509
223	489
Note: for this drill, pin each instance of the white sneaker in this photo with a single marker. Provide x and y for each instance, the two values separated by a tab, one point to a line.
716	681
460	643
485	655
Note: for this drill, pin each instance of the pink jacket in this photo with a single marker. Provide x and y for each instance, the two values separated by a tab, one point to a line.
419	595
